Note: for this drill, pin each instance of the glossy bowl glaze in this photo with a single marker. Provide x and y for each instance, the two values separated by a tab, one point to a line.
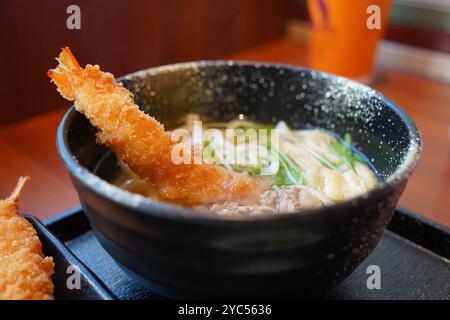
180	252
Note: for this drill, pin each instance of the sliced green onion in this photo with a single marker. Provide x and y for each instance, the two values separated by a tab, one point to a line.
288	174
344	150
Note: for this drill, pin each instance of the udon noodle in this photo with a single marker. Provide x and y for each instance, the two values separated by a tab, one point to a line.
316	168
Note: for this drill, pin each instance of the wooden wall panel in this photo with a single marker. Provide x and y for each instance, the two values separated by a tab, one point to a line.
122	36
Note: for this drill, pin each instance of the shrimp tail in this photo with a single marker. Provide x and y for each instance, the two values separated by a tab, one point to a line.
14	197
8	206
65	73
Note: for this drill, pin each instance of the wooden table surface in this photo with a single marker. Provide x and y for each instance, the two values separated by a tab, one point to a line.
28	147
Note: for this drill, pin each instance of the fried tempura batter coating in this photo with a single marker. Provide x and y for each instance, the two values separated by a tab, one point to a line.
25	274
141	141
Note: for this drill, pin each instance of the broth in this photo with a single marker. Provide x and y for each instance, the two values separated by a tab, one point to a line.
316	168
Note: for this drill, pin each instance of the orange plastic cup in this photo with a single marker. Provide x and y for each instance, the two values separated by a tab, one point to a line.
344	35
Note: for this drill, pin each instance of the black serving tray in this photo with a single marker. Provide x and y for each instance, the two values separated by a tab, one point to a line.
91	288
413	256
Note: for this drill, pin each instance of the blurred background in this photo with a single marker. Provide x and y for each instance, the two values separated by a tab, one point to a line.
412	68
124	36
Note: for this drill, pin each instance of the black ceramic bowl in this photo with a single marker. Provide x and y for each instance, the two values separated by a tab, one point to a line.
181	252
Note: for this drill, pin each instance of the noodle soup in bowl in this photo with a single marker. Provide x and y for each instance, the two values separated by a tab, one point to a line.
345	153
298	169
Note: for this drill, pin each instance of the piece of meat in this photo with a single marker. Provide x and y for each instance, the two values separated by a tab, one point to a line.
276	200
292	199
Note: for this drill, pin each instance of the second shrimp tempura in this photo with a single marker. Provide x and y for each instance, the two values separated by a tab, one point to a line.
25	273
141	141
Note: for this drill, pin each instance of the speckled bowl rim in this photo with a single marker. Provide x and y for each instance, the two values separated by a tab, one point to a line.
163	210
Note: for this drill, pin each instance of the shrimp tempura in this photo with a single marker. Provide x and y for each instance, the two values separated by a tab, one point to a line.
25	274
141	142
